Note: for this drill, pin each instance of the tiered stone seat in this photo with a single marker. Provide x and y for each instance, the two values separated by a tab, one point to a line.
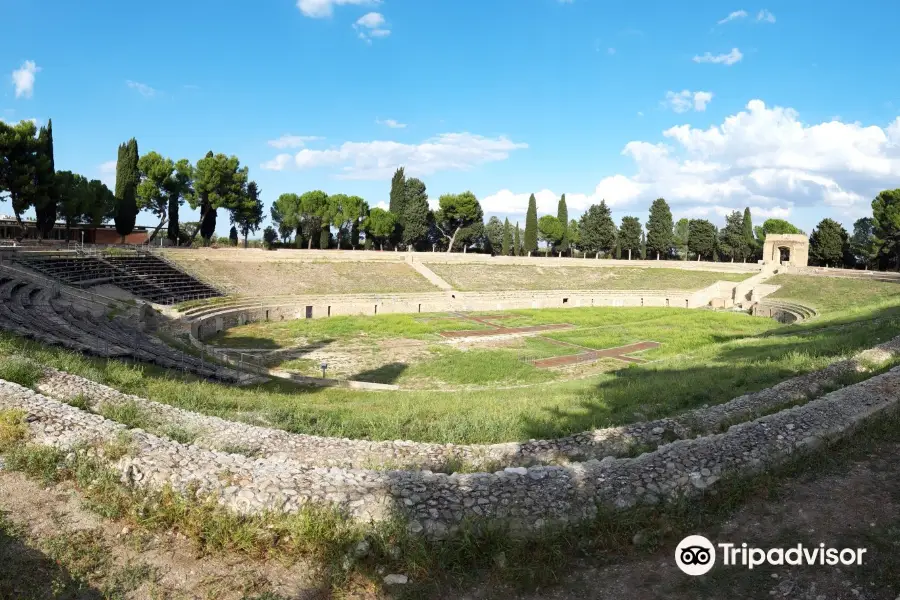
144	275
178	285
30	309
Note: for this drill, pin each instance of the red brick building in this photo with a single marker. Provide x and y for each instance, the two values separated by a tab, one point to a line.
104	234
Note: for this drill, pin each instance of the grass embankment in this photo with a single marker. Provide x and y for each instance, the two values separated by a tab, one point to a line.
715	362
472	277
268	277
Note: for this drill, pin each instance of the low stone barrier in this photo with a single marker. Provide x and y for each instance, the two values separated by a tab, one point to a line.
435	503
308	450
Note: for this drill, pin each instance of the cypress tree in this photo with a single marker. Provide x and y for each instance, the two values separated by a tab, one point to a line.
507	238
748	233
517	242
233	236
398	202
173	230
531	227
127	176
562	215
659	230
416	214
46	196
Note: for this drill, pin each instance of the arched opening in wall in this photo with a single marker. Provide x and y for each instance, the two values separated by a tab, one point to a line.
376	309
309	312
642	300
267	315
667	303
565	300
329	311
686	303
420	308
784	254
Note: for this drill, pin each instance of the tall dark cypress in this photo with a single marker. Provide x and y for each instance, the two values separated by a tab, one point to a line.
397	203
127	176
173	220
531	232
562	214
517	242
47	196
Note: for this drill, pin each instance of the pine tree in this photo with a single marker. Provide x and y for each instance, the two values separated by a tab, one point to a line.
829	243
731	238
416	217
748	233
562	214
127	176
630	237
597	230
517	242
701	238
659	230
507	238
531	227
398	202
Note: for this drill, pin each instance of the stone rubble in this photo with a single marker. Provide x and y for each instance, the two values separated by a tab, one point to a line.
315	451
434	504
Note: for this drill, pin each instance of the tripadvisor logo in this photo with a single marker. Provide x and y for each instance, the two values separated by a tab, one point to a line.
696	555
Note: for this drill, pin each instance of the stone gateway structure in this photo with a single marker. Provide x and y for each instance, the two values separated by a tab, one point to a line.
789	249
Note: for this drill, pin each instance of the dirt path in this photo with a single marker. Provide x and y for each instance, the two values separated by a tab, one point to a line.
133	564
858	508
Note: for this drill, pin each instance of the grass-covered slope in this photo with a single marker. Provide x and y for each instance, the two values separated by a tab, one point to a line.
472	277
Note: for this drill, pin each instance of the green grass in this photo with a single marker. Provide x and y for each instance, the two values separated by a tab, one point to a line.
833	294
469	277
706	358
19	370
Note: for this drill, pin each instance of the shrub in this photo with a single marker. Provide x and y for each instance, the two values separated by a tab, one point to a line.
13	428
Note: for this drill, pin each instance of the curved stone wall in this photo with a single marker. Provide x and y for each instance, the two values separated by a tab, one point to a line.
436	503
316	451
215	318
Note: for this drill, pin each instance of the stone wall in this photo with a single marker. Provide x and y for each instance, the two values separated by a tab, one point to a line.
219	317
436	503
527	498
216	434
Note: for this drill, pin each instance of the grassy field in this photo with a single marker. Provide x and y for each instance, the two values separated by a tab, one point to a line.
276	278
835	294
468	277
706	358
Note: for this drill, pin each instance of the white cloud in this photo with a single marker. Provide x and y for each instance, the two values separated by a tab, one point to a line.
765	16
686	100
107	172
391	123
371	25
142	88
724	59
23	79
738	14
318	9
762	157
292	141
377	160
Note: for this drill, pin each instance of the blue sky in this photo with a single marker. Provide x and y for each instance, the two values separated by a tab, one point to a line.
788	107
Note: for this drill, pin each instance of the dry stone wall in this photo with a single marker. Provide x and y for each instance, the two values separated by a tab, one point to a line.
308	450
435	503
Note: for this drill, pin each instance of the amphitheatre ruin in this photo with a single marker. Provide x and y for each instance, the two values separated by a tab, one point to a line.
442	391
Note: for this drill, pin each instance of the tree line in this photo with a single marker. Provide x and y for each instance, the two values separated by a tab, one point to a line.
161	185
151	183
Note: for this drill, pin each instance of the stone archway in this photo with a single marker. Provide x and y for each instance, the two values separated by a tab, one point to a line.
790	249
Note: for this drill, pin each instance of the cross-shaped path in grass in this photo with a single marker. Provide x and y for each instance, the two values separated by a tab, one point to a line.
496	329
619	353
